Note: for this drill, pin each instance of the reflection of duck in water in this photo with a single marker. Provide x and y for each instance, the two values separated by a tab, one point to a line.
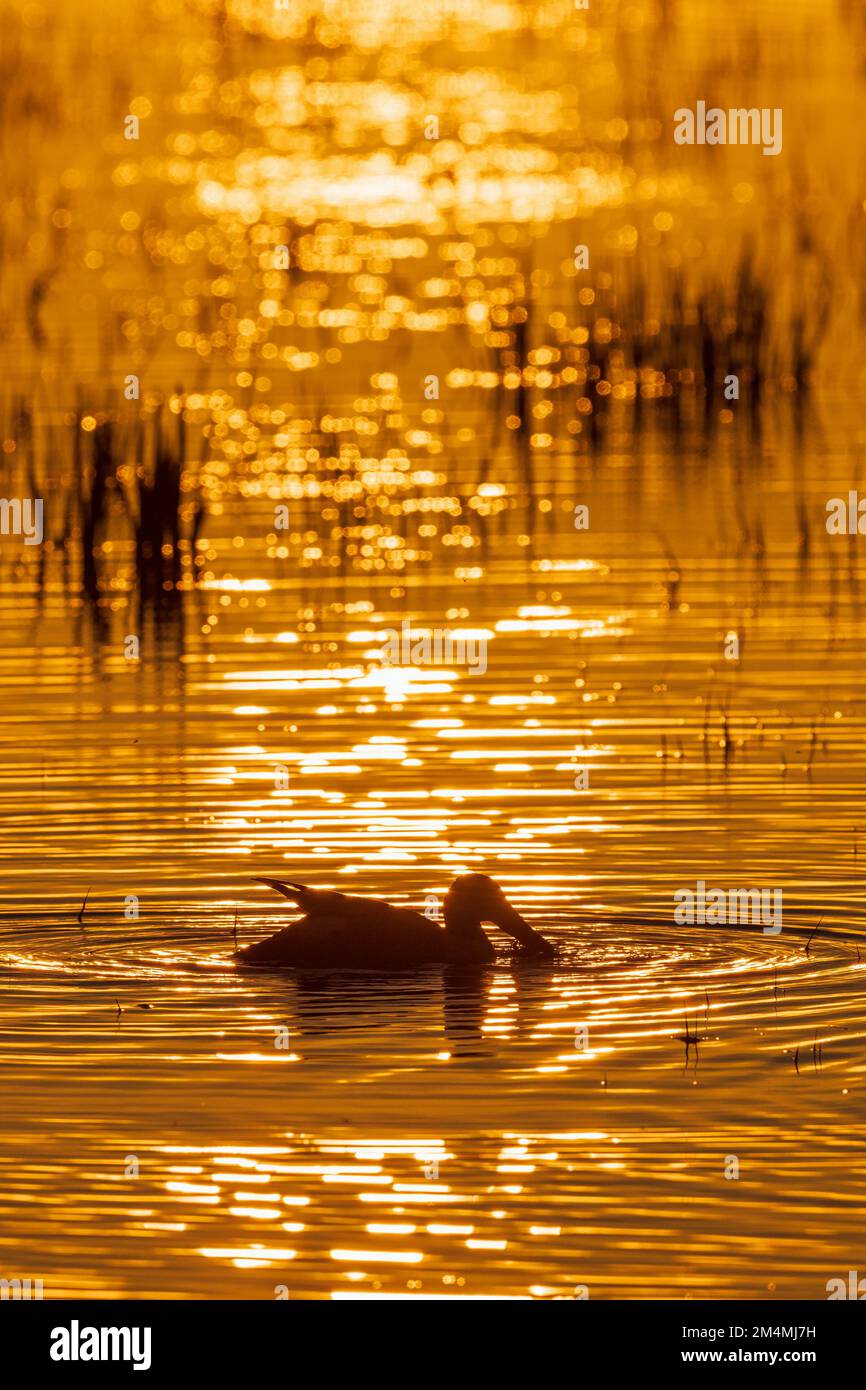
367	934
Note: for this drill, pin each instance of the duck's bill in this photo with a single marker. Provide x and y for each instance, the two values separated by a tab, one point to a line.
519	928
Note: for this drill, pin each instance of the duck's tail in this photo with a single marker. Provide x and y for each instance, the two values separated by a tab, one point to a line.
316	902
295	891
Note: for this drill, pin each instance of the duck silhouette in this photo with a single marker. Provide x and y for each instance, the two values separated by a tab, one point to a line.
346	932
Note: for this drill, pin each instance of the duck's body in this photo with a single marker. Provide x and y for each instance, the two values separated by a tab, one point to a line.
342	931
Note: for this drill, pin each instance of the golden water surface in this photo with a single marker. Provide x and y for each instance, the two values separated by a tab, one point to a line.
175	1127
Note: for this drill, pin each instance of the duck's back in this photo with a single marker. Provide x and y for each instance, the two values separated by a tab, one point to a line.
392	939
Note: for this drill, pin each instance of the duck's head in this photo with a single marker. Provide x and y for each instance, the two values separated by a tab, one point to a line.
476	898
